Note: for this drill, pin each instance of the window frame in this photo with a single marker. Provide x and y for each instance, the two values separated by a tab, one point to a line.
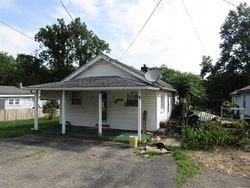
16	103
163	102
76	98
132	99
244	101
11	103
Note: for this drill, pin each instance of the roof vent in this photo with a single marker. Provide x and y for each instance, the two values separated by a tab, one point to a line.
144	68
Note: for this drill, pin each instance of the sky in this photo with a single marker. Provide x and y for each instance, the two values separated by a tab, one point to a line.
169	37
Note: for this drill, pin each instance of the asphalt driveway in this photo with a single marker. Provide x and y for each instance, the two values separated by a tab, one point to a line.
36	161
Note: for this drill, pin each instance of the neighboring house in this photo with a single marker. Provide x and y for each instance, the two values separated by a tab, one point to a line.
105	92
12	97
241	98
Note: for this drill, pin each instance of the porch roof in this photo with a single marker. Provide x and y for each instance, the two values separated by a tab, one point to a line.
90	82
100	82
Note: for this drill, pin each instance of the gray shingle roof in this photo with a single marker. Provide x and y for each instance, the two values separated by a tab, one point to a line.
97	81
12	90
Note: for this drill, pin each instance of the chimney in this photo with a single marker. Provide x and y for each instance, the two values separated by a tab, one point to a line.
19	85
144	68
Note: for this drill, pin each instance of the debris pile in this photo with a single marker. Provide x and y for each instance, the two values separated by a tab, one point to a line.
157	148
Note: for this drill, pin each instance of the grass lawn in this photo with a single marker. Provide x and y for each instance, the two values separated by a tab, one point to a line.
24	127
186	168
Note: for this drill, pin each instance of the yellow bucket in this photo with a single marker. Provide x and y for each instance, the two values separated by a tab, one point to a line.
133	141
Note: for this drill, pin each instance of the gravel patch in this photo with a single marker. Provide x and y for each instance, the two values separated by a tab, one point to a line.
214	179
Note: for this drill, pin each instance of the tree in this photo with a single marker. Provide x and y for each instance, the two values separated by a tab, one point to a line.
232	70
235	46
65	47
31	71
7	69
188	85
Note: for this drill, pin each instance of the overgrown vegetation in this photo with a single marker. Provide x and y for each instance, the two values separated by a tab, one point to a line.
23	127
210	134
186	168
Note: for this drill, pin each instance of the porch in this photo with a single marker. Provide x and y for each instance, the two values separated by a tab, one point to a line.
92	133
101	112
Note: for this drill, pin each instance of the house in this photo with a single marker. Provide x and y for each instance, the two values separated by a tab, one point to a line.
105	92
241	98
12	97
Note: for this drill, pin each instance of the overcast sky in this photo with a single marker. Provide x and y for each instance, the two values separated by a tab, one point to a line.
168	38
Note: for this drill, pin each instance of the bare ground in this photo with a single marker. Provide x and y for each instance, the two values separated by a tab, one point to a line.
229	161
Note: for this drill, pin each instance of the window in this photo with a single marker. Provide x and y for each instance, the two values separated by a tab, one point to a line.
76	98
17	101
132	98
14	101
169	99
162	102
244	101
11	101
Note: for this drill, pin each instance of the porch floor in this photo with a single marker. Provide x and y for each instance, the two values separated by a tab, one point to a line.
92	133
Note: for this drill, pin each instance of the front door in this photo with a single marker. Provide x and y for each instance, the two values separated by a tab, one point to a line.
104	107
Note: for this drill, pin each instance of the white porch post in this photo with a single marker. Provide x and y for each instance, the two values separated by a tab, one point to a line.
63	112
100	114
36	111
139	115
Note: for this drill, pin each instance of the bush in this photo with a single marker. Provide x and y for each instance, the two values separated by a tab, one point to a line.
208	135
245	144
50	108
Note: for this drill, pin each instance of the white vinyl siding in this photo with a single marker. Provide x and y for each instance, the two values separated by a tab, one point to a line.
85	114
103	68
120	116
163	114
243	101
19	103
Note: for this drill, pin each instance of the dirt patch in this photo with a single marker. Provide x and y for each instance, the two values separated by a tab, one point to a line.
226	160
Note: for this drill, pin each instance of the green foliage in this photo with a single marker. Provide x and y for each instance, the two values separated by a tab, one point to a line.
206	137
245	144
185	167
23	127
232	70
63	46
50	108
188	85
37	72
7	69
25	68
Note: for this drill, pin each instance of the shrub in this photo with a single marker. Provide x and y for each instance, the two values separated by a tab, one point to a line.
50	108
245	144
208	135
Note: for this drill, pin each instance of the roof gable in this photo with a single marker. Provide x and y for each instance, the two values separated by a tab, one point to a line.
121	68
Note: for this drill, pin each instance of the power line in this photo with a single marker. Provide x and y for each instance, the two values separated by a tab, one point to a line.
67	10
192	23
125	52
7	25
230	3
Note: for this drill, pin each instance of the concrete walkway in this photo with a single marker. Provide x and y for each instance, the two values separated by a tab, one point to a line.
35	161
